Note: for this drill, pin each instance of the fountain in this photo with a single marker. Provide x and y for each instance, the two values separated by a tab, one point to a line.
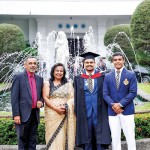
10	64
89	41
49	50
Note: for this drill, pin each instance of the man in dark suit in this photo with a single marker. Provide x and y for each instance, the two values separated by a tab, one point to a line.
119	90
26	99
92	127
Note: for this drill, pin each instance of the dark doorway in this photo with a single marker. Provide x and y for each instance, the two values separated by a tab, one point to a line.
75	46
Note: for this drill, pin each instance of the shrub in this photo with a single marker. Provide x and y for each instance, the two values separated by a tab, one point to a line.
41	132
140	32
142	122
11	38
121	39
8	134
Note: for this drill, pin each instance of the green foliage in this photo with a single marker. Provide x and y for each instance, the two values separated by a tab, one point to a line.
8	133
140	32
29	51
41	132
142	126
143	58
11	38
121	39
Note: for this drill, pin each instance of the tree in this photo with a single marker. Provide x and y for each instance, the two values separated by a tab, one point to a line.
11	38
140	32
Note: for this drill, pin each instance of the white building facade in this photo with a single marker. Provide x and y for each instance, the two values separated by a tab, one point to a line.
45	16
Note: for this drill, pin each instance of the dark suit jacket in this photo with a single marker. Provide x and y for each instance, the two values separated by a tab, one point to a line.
21	98
124	95
103	131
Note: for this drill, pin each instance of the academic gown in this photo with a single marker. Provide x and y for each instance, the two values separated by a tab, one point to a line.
103	130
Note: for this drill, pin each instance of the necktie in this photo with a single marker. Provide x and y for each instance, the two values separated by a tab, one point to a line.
117	79
90	85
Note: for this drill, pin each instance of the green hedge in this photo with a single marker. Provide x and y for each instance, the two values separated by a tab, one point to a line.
140	32
8	134
11	38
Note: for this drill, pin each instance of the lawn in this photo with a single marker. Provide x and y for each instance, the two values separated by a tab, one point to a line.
143	107
144	87
6	113
2	85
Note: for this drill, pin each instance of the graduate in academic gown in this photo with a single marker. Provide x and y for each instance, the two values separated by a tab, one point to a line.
92	128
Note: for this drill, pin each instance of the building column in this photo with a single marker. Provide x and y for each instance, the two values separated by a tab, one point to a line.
100	36
41	27
32	30
45	54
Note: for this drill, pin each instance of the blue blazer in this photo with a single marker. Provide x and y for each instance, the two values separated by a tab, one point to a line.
21	98
124	95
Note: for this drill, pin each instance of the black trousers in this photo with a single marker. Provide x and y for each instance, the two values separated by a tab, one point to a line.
27	133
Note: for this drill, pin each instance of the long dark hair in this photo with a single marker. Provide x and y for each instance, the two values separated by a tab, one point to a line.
64	79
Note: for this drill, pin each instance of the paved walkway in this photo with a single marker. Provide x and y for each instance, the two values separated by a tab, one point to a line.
143	144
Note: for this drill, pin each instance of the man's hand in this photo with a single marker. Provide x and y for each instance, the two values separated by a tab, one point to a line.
117	108
17	119
119	111
39	104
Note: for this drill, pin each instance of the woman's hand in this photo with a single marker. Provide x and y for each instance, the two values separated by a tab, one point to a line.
60	109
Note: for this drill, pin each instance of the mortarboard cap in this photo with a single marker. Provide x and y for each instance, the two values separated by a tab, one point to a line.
89	55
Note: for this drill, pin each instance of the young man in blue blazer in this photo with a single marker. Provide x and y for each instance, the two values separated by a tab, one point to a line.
119	91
